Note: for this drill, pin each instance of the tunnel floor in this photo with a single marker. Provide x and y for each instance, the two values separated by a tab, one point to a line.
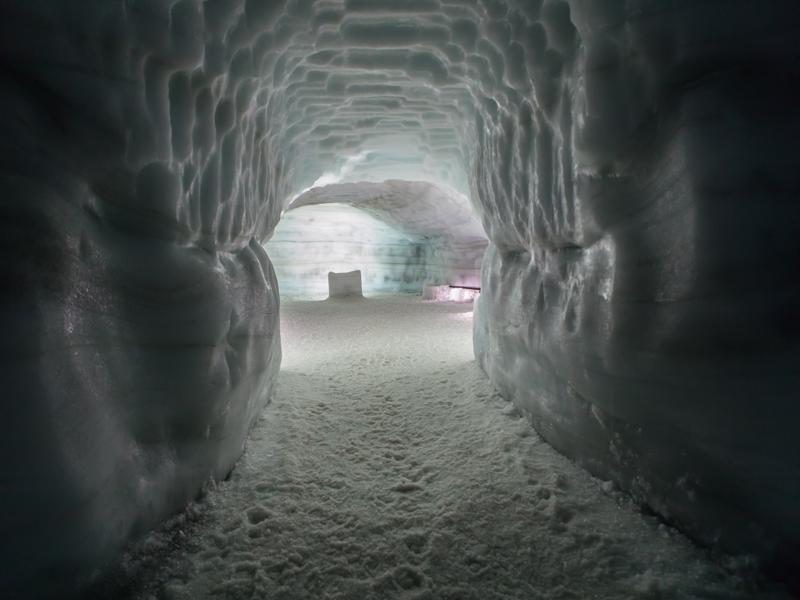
388	467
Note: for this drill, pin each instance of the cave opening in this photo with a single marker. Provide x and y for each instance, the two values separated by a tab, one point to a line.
402	236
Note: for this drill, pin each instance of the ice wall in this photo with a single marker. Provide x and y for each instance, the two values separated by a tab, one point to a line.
139	310
638	300
401	234
311	241
632	164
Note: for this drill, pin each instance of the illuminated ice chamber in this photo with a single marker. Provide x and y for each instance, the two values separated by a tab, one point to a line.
401	235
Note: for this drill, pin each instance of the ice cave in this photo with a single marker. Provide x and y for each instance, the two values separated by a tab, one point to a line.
419	299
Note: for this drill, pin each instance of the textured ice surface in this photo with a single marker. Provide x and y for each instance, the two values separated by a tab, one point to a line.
389	468
638	301
310	241
139	310
633	164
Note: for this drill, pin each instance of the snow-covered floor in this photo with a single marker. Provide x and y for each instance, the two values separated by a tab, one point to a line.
388	467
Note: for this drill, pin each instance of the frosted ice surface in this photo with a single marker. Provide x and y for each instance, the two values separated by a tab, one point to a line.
388	467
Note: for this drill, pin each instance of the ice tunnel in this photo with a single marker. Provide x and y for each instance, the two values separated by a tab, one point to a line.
632	165
403	235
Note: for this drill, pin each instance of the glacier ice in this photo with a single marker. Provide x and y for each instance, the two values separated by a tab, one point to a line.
310	241
631	163
402	235
345	285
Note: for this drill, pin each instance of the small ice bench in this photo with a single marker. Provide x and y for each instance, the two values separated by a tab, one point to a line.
343	285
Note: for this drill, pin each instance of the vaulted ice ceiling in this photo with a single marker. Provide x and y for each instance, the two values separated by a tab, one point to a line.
416	208
378	90
430	235
250	103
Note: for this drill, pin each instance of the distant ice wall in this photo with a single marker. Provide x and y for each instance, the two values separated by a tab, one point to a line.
139	311
310	241
401	234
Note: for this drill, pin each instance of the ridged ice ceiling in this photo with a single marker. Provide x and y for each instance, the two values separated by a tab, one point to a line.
369	90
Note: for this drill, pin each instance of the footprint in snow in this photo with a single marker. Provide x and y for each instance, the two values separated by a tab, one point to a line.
257	514
406	487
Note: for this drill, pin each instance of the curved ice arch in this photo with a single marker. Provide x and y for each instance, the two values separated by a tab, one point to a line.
420	234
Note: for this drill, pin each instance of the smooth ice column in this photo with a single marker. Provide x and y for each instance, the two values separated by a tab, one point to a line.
343	285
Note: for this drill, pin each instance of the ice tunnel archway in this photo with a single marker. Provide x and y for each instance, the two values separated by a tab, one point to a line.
310	242
402	235
611	149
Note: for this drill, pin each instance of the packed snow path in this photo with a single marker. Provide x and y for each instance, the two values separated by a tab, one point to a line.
387	467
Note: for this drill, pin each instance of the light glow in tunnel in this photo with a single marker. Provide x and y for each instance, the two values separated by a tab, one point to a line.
312	241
